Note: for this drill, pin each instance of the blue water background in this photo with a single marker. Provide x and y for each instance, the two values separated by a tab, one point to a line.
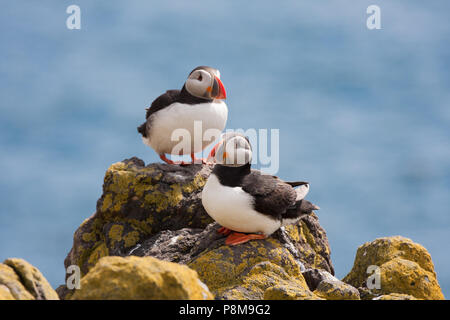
364	115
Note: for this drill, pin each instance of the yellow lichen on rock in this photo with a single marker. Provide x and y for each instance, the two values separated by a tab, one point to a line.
255	270
163	200
115	233
137	278
336	290
5	293
404	276
405	268
137	202
10	280
19	280
286	291
313	244
142	202
395	296
100	251
131	238
196	184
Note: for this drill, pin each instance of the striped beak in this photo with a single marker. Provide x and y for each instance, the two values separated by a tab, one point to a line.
218	89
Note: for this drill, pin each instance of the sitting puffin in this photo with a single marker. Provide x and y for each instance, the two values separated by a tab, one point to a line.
200	101
247	203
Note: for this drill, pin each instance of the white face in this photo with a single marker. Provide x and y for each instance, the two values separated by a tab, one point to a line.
200	84
235	151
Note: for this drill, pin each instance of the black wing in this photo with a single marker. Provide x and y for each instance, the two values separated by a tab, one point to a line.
299	209
272	195
162	101
296	183
159	103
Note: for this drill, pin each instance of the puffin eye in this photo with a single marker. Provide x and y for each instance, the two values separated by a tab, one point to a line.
200	78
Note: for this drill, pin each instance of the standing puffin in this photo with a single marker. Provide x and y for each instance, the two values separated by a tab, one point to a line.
199	101
247	203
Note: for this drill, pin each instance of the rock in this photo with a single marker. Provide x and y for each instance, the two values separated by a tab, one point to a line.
136	278
313	277
63	292
395	296
404	276
336	290
254	270
137	202
286	291
405	268
156	211
247	271
11	285
325	285
5	293
365	294
19	280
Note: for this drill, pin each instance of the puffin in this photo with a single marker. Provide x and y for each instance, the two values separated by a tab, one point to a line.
247	203
174	115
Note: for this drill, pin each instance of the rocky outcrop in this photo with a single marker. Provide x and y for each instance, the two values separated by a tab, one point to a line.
137	202
156	211
19	280
404	268
117	278
150	238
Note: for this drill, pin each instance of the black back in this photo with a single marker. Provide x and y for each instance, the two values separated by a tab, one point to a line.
272	196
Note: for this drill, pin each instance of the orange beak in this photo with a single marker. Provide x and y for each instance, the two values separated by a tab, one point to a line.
219	88
224	157
212	154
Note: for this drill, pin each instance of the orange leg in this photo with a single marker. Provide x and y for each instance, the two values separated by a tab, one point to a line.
196	160
167	160
212	154
224	231
236	238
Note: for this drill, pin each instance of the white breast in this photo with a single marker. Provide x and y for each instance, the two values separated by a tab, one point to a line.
232	208
182	116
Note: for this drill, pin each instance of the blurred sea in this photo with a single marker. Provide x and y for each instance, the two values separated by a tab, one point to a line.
364	115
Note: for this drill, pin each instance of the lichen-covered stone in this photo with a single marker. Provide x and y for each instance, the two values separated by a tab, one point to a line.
395	296
247	271
269	269
325	285
255	270
137	202
12	284
336	290
286	291
156	210
139	278
5	293
366	294
405	276
19	280
311	241
405	268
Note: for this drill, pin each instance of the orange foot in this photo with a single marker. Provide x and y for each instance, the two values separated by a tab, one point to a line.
224	231
167	160
236	238
196	160
212	154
